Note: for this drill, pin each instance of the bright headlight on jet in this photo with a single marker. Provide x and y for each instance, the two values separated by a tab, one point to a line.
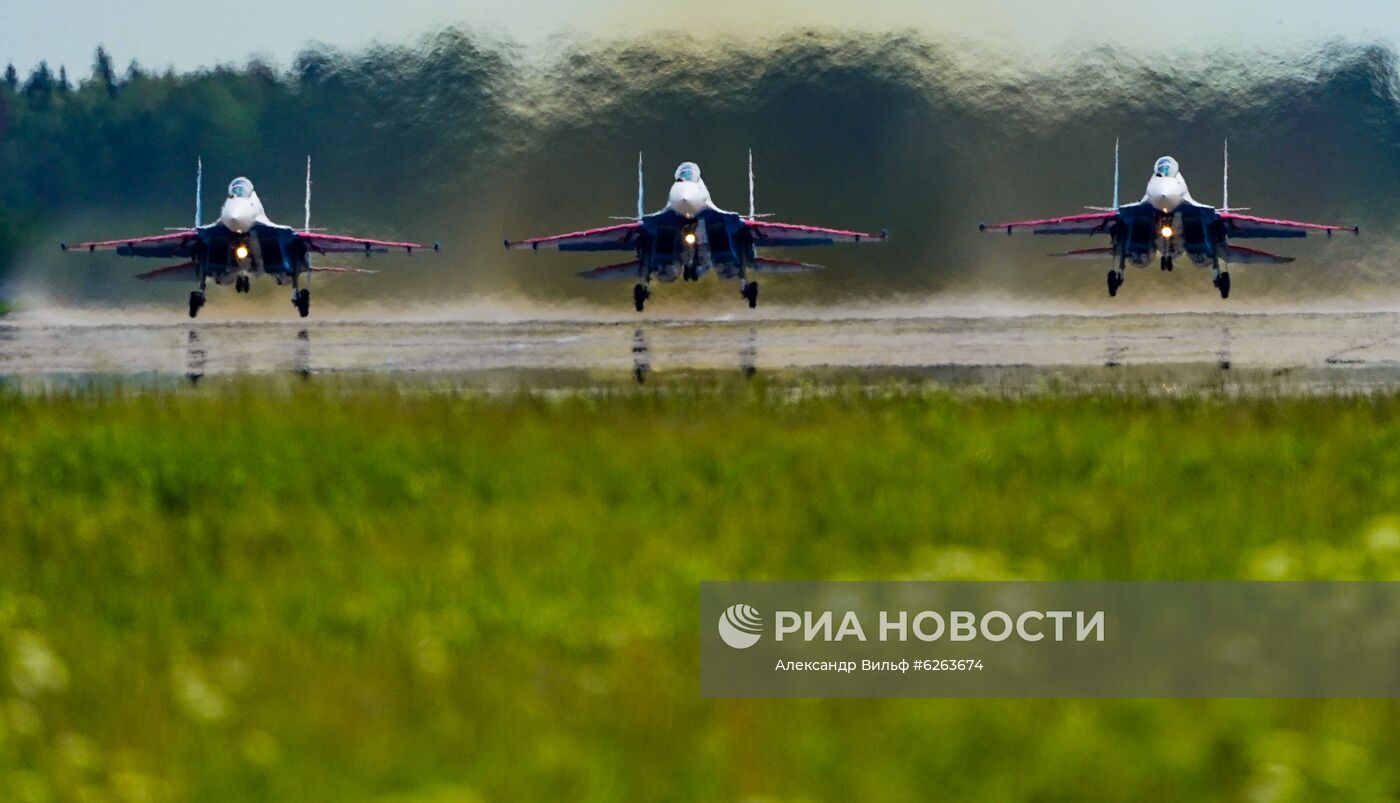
241	251
1166	232
690	238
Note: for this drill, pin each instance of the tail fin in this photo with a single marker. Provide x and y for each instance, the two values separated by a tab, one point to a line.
769	265
307	226
1239	255
641	189
1225	192
622	270
752	210
199	192
1113	208
1115	173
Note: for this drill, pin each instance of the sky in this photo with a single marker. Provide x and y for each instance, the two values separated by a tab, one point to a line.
188	35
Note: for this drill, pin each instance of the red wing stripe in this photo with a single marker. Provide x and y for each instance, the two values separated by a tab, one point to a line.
1264	221
760	225
179	235
573	234
1051	221
337	238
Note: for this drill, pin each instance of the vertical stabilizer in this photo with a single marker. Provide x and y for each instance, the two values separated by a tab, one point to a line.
307	207
199	192
641	189
1115	173
752	209
1225	195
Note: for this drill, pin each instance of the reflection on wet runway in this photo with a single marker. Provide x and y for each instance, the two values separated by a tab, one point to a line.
641	360
1214	341
195	355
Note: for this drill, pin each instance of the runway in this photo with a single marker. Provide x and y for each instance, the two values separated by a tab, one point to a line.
1295	349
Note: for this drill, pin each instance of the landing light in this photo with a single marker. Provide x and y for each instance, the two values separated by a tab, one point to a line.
690	238
1166	232
241	251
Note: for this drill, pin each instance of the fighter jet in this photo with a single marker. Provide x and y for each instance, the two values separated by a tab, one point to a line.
244	243
691	236
1168	222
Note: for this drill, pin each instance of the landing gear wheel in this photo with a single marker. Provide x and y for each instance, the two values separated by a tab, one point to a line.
304	303
1222	283
640	293
1114	282
196	301
1169	265
751	294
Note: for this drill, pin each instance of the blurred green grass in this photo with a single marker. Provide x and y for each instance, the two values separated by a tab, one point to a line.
262	592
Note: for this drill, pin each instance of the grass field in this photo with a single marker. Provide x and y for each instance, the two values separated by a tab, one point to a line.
261	592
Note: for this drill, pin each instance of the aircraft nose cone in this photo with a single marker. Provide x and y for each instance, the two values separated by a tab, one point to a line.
687	199
239	216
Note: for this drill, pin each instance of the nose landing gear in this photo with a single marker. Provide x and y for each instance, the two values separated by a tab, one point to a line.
243	284
1115	281
196	301
302	300
640	294
1167	263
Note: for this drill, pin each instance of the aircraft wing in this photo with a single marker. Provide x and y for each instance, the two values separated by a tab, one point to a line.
163	246
785	235
622	237
1090	223
322	243
1248	226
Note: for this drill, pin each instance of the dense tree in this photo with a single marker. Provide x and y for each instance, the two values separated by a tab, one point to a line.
11	76
39	88
102	72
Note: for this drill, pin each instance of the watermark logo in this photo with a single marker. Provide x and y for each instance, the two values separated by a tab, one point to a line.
740	626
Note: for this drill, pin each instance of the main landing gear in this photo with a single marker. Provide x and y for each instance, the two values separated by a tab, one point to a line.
749	291
1221	279
243	284
1115	281
302	300
1222	283
640	294
196	301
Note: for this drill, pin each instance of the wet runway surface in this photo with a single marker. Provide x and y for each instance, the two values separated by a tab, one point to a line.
1314	349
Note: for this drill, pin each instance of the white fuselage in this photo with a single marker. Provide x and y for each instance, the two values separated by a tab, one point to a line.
1166	193
239	215
689	198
